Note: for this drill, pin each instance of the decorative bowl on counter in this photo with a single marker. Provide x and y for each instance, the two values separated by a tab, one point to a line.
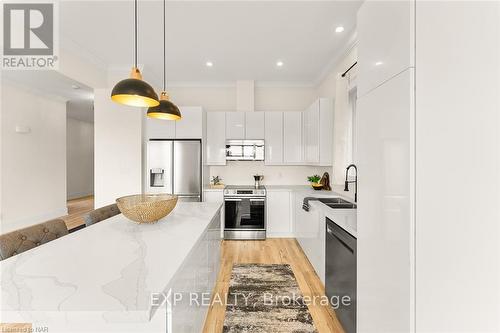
146	208
317	186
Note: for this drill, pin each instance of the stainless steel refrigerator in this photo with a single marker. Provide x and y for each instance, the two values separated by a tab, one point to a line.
174	166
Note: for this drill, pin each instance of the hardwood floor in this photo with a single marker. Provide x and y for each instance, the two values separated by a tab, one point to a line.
272	251
76	209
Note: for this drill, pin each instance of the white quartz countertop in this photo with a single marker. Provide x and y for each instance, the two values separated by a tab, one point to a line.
111	267
344	218
337	190
208	188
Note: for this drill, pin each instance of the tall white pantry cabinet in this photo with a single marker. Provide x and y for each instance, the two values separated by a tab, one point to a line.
428	118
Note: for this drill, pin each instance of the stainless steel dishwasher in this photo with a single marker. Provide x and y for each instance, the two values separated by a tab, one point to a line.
340	279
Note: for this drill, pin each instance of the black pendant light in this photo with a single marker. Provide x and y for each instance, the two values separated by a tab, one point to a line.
166	110
134	91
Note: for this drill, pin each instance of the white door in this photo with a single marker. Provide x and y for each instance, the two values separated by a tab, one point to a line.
292	138
273	138
190	126
385	210
216	138
254	125
235	125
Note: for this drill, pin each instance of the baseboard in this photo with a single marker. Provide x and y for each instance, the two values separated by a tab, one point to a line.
280	235
79	195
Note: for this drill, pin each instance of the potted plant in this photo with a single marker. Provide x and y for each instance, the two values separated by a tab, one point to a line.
314	180
216	182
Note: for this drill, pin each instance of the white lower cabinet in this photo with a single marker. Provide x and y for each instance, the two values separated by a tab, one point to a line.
213	196
310	228
195	279
216	196
279	214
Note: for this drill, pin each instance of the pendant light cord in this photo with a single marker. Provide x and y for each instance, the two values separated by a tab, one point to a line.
164	46
135	33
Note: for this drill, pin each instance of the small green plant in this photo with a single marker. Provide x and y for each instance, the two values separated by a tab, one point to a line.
216	180
314	179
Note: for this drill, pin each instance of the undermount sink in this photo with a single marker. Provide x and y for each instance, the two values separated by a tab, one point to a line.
337	203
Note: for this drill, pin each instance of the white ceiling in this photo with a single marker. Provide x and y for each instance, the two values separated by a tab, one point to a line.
57	85
243	39
51	83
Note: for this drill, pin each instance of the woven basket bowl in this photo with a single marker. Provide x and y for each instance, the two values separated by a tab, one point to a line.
146	208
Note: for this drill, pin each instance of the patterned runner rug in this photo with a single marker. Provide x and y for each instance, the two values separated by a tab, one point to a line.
265	299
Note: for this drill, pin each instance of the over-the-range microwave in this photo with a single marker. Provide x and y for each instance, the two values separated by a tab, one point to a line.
245	150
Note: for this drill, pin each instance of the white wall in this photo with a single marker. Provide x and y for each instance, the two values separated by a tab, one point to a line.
118	154
34	164
268	97
457	149
342	140
241	173
80	158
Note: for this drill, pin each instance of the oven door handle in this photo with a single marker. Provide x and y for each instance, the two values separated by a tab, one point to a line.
232	200
261	200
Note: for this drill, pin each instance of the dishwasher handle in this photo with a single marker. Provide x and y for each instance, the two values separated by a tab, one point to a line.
331	232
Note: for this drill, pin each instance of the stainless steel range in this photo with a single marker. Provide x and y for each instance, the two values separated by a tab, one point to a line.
245	212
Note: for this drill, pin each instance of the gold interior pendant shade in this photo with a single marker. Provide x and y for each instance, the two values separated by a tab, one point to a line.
134	91
166	110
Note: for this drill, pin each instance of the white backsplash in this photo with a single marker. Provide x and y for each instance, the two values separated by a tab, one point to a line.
241	173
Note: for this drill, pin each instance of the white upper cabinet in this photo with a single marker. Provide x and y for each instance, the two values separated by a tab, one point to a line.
318	133
190	126
385	41
235	125
254	125
273	138
216	138
159	129
292	138
311	134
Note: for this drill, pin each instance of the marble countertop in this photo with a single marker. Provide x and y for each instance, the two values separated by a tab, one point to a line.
208	188
337	190
111	267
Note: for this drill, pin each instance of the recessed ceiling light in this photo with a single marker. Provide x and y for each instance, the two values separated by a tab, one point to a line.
279	63
378	63
339	29
209	64
75	86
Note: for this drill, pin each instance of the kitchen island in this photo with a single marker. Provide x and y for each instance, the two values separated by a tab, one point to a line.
113	276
